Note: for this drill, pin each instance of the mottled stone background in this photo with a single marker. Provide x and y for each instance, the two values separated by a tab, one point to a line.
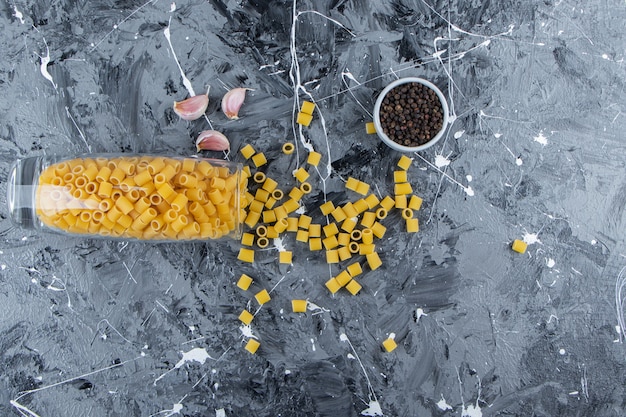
535	151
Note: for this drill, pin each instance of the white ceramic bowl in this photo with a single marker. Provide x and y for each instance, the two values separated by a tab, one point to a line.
395	145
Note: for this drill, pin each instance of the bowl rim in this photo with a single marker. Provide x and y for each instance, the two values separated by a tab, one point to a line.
395	145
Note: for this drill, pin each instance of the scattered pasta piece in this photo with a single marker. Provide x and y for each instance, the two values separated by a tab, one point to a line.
246	255
307	107
262	297
314	158
244	282
349	210
302	235
247	239
262	242
378	230
399	176
315	230
246	317
354	269
373	260
370	128
369	217
304	221
285	257
412	225
288	148
352	183
361	205
387	203
401	202
330	229
332	256
338	214
362	188
330	242
403	188
366	248
343	239
332	285
344	253
407	213
415	203
315	244
252	346
304	119
269	184
343	278
259	160
405	162
519	246
327	208
353	287
247	151
298	306
301	174
306	188
389	344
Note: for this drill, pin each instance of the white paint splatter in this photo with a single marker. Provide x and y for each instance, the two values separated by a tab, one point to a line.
561	351
443	404
350	356
593	241
194	355
287	372
373	409
172	7
186	81
471	411
220	413
419	313
518	162
246	330
392	336
43	68
314	307
497	135
343	337
3	267
550	263
18	14
457	135
541	139
278	244
530	238
313	344
469	178
176	409
468	190
441	161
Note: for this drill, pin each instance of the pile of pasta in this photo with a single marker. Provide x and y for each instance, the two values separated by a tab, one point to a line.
142	197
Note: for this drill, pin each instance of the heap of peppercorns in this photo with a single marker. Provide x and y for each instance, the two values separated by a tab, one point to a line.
411	114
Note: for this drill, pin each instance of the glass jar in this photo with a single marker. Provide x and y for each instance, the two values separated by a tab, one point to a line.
141	197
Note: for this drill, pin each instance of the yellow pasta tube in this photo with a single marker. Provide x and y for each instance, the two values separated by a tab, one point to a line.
117	176
403	188
365	249
407	213
302	235
315	230
216	196
362	188
399	176
349	210
168	172
348	225
281	225
218	183
290	205
288	148
247	151
367	236
361	205
415	203
401	202
246	255
292	223
343	239
315	244
301	174
327	208
179	202
256	206
353	247
412	225
373	260
261	195
166	191
378	230
330	229
127	166
252	218
332	257
344	253
180	222
296	193
356	235
125	221
352	183
314	158
330	242
381	213
269	185
387	203
142	178
262	242
259	159
306	188
206	169
124	205
269	216
372	201
338	214
304	221
405	162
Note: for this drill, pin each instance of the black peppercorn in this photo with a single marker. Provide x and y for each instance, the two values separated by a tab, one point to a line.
411	114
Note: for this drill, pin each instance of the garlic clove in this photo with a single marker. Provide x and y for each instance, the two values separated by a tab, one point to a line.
212	140
232	101
192	108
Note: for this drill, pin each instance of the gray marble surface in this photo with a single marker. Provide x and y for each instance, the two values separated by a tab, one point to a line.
535	151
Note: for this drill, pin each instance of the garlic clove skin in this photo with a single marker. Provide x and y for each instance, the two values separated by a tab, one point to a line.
212	140
232	101
192	108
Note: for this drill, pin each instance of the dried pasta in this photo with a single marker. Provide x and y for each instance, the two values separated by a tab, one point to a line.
144	197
